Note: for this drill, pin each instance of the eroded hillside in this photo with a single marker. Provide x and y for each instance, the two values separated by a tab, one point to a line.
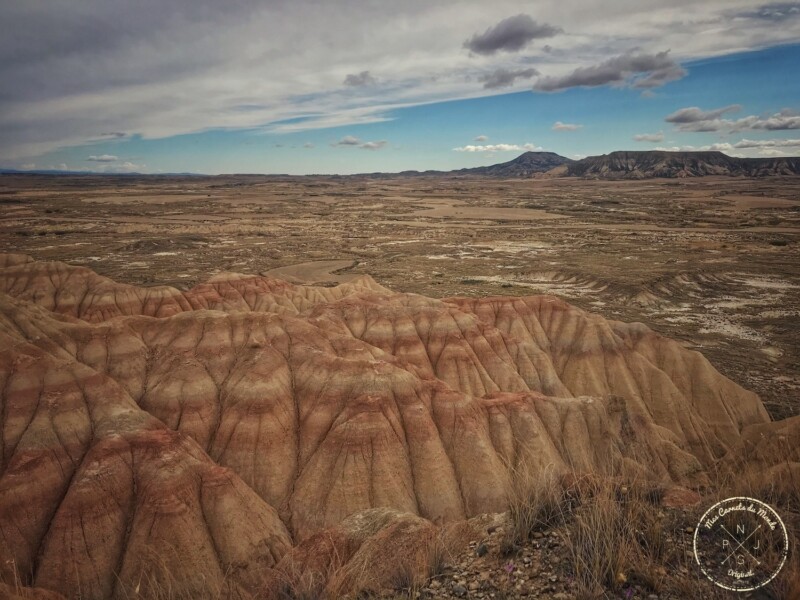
222	425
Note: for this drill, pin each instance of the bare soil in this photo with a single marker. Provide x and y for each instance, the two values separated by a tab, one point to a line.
713	262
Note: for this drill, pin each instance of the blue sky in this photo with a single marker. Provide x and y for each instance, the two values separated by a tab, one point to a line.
493	84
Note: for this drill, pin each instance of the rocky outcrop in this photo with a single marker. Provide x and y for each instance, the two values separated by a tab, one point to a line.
150	434
658	163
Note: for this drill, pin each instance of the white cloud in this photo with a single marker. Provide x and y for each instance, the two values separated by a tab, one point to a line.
649	137
102	158
745	143
773	152
498	148
350	140
481	138
745	148
559	126
127	167
373	145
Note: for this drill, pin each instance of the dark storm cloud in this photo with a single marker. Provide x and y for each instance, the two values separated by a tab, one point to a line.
635	69
505	77
510	35
360	79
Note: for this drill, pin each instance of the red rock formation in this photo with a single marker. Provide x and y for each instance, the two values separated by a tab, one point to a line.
146	422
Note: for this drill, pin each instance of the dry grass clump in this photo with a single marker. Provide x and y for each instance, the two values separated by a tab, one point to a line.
156	581
383	551
535	502
601	542
304	574
401	558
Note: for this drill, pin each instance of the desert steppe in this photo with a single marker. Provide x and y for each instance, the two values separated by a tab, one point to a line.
713	262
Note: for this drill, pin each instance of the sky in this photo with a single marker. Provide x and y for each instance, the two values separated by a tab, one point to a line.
347	86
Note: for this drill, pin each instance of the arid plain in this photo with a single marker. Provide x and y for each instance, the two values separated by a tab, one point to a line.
713	262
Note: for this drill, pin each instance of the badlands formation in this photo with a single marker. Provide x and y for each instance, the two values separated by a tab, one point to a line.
250	430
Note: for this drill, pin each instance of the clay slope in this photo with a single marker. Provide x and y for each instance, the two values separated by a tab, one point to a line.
82	293
93	488
140	422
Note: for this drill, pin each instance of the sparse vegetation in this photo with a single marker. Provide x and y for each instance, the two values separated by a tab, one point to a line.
537	501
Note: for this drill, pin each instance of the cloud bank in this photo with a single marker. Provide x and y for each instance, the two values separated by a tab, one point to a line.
693	119
633	69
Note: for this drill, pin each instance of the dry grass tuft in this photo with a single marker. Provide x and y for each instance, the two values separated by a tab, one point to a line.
601	542
535	502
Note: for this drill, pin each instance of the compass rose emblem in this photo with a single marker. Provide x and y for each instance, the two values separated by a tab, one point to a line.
740	544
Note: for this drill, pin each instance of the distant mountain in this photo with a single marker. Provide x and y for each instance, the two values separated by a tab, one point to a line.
525	165
94	173
625	165
656	163
42	172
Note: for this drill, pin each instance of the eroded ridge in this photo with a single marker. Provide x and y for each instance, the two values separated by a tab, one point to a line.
222	425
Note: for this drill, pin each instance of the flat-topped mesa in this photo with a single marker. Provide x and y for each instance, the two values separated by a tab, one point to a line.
288	408
657	163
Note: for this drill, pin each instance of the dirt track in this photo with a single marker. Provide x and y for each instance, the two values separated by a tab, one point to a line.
318	271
